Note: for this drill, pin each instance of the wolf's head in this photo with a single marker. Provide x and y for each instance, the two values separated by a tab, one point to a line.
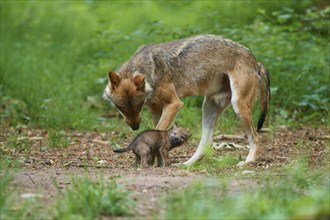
128	95
178	136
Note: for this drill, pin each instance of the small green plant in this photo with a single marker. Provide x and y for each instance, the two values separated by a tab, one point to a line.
17	142
58	138
91	199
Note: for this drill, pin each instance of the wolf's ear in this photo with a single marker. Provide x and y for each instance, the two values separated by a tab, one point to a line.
139	82
114	79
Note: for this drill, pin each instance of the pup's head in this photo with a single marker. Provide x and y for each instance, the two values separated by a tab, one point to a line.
178	136
127	94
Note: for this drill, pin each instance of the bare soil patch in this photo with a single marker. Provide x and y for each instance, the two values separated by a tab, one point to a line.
90	153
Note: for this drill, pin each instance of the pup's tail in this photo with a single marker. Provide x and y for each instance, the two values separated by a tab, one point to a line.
264	94
122	150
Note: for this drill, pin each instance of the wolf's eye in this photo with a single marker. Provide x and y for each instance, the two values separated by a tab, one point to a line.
139	107
121	109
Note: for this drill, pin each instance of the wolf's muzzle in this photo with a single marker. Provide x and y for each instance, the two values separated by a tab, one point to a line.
135	127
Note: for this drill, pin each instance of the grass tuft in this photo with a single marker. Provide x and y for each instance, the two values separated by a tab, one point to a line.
91	199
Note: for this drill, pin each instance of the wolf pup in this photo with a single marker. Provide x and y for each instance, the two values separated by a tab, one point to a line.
155	143
221	70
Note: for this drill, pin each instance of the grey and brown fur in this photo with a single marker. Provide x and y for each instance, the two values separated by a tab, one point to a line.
155	143
221	70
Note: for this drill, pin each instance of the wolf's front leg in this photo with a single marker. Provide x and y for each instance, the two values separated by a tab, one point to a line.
168	114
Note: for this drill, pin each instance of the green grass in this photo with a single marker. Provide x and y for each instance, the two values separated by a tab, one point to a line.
215	164
57	138
84	199
293	193
91	199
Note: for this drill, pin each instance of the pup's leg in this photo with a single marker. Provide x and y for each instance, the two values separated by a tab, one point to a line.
144	159
151	160
165	156
137	160
212	107
243	97
160	162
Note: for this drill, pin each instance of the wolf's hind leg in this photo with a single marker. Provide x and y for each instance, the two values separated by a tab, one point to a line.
243	98
212	107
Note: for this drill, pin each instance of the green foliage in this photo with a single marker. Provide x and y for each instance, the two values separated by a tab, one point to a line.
297	60
293	195
40	63
55	55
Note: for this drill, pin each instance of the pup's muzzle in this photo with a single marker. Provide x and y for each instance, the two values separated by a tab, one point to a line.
177	141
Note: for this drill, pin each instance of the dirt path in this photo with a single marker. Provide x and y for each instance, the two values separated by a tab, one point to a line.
90	154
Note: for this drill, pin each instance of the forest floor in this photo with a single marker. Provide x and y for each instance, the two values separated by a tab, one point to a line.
45	170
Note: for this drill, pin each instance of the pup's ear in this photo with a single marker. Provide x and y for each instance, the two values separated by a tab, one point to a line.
139	82
173	125
114	79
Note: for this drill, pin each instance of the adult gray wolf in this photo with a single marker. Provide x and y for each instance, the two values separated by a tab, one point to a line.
221	70
155	143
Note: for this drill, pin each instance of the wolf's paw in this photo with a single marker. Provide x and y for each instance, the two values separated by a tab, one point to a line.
242	163
179	165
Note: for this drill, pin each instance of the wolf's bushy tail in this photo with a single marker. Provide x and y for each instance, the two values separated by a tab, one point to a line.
264	94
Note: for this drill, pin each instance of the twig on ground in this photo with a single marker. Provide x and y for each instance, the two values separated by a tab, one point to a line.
96	141
71	163
30	179
229	137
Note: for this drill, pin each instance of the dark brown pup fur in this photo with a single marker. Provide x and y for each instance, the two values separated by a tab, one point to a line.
155	143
